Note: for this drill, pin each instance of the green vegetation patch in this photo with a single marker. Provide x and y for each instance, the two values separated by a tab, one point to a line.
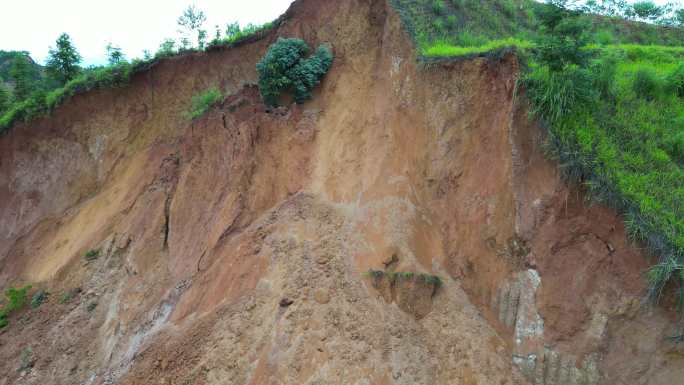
91	254
202	102
618	127
444	49
29	91
15	299
285	67
615	119
395	276
457	28
39	298
609	91
41	103
235	35
465	23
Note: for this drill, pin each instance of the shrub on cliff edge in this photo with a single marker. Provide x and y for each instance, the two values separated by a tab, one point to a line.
285	68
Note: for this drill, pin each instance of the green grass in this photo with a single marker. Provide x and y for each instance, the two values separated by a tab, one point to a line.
43	102
454	28
395	276
616	125
39	298
442	49
201	103
465	22
246	34
618	128
92	254
15	299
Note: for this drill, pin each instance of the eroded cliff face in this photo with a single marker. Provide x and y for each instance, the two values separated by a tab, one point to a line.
233	248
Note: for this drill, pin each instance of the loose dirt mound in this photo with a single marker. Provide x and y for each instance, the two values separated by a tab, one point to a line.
233	248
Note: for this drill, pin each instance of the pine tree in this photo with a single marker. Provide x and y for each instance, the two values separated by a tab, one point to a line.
62	63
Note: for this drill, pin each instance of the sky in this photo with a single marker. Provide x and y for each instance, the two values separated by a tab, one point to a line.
134	25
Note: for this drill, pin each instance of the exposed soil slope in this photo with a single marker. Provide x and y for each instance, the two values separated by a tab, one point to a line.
233	247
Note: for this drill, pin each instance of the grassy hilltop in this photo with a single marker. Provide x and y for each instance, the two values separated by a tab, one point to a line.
607	86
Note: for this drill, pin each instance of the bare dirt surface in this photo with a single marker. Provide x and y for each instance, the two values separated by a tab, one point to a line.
233	249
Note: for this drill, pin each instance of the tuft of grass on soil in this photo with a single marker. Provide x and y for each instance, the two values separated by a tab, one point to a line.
15	300
92	254
39	298
202	102
394	276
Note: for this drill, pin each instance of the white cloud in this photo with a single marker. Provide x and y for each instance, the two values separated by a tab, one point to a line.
34	25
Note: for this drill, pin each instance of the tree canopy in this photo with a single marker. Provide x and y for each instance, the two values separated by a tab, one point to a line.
63	60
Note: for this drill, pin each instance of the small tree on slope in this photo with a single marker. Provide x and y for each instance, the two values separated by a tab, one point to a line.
63	60
285	68
191	22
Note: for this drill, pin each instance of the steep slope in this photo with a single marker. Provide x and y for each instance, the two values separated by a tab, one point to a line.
233	248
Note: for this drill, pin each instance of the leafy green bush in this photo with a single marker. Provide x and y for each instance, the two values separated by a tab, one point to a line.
39	298
646	84
91	254
451	22
439	25
438	7
202	102
432	279
674	145
285	68
557	94
166	49
604	71
675	80
41	103
15	300
562	39
604	37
